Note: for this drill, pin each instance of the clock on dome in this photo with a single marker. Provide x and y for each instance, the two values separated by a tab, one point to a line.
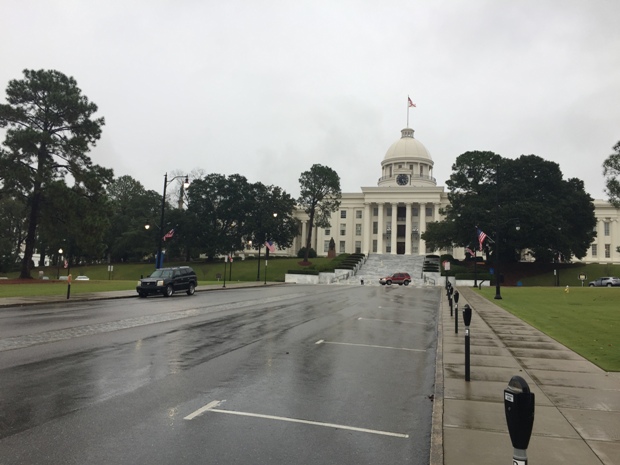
402	179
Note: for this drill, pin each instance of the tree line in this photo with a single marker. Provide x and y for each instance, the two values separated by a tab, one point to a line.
52	196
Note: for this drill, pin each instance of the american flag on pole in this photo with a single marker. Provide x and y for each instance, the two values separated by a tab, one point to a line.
169	235
270	246
411	104
469	251
481	237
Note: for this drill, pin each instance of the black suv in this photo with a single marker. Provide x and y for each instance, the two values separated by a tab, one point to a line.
168	280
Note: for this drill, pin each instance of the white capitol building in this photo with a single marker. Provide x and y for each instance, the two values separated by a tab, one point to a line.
391	217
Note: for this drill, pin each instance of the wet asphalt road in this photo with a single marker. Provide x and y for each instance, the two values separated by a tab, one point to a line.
276	375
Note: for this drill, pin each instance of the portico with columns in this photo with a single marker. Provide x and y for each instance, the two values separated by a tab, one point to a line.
391	217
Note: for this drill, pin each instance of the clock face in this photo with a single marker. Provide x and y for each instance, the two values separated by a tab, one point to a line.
402	179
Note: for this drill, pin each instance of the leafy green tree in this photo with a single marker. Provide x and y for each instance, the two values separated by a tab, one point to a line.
50	129
75	219
496	194
224	214
132	206
611	170
217	209
12	231
319	197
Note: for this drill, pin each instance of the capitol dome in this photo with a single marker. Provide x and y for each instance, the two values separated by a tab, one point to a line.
407	147
407	163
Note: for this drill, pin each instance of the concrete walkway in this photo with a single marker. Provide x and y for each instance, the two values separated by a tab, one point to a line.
577	415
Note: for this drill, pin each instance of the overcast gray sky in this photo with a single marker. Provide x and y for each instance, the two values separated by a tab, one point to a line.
267	88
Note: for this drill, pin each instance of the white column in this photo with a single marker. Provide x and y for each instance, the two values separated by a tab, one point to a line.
367	229
394	228
422	228
408	229
380	229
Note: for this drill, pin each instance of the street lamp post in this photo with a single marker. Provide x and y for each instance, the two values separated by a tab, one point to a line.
275	215
58	264
159	259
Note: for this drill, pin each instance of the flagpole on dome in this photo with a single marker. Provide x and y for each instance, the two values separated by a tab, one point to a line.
409	105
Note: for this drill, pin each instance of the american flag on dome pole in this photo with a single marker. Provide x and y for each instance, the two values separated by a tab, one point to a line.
409	105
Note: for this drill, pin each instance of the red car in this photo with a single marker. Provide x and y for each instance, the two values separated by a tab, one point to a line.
396	278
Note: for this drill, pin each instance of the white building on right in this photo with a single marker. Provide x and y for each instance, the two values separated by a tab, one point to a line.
607	240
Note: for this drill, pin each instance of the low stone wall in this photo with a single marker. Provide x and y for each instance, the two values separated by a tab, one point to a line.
301	278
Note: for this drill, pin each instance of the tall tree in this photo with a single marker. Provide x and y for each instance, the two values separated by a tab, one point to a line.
320	196
495	193
50	130
132	207
611	170
218	207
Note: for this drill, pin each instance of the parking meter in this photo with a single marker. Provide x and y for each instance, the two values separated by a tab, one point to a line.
467	315
467	320
519	408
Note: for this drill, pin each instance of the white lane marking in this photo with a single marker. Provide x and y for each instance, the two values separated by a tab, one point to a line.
391	321
369	345
293	420
202	410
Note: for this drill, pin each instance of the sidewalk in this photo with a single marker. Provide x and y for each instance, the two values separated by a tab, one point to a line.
577	414
33	300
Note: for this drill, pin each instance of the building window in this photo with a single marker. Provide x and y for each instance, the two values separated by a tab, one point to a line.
358	246
374	246
358	229
342	247
343	213
389	211
328	232
375	228
414	211
607	250
388	248
375	211
429	212
358	214
414	249
325	246
606	228
343	229
594	250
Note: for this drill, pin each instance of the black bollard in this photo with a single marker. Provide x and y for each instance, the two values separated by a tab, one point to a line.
467	320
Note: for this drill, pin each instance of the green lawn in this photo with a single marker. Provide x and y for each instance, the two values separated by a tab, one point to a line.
125	276
587	320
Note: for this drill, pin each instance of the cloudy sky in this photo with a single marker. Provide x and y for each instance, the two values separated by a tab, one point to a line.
267	88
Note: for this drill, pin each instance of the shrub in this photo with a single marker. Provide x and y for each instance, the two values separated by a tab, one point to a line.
302	253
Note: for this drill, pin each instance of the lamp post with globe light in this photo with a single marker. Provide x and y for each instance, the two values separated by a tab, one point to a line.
58	263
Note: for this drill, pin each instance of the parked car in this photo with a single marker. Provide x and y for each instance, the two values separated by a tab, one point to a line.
396	278
608	281
167	281
82	278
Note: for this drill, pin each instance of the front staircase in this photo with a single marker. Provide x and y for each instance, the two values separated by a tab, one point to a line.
378	266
